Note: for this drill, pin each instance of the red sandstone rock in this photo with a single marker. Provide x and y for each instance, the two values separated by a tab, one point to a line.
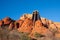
44	21
52	27
11	26
39	28
26	16
20	22
1	22
7	20
26	26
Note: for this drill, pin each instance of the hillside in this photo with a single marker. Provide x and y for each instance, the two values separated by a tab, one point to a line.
36	27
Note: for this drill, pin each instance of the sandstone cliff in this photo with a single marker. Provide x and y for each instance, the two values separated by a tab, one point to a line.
33	23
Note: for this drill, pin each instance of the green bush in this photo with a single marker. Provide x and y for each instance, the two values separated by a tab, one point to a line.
37	35
24	36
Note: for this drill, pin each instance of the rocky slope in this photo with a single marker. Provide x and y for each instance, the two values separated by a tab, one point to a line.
32	24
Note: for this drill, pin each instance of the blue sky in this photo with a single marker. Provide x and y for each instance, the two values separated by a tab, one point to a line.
49	9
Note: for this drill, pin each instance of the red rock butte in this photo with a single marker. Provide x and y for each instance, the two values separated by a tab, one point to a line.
31	23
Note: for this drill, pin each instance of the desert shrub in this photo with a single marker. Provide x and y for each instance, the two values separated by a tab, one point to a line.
24	36
37	35
3	34
15	35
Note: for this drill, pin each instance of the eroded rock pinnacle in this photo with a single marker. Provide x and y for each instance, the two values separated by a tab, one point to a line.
35	16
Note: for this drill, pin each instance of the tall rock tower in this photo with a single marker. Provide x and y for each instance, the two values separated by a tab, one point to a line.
35	16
